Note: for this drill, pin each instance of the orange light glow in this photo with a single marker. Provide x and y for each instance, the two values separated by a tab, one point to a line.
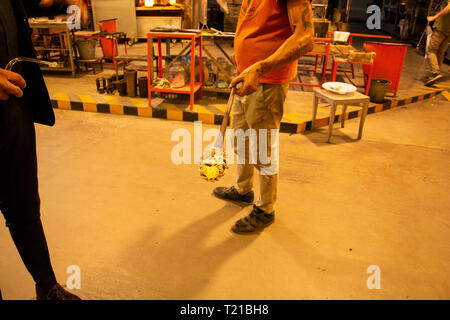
173	1
149	3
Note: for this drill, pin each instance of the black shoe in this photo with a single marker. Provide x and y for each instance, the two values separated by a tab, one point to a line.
232	195
433	78
256	221
55	293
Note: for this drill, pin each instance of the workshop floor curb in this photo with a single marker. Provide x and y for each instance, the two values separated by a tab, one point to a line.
160	112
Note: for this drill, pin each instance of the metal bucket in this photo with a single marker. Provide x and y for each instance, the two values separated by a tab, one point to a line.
86	48
378	90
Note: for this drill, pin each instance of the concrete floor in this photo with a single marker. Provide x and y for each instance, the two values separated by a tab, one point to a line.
140	227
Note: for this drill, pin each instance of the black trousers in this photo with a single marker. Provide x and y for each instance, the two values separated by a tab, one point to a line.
19	196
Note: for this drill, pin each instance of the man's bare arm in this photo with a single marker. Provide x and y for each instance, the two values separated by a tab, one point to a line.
300	43
443	12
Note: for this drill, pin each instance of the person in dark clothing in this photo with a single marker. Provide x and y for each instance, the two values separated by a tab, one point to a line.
438	42
24	99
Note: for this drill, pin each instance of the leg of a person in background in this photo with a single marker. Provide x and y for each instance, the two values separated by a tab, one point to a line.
443	49
437	38
447	40
433	49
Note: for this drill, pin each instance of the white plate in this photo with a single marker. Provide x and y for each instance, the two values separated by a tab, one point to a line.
339	87
341	36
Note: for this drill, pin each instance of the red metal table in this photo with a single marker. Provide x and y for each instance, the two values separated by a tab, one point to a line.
192	87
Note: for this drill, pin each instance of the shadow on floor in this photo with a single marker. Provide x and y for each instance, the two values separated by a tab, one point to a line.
320	135
181	266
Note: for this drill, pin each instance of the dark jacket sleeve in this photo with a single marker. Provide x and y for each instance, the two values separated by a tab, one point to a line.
36	93
33	10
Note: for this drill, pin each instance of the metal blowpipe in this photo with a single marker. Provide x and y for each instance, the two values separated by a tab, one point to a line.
11	63
220	138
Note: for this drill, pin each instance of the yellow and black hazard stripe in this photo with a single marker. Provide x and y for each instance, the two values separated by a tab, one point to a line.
213	114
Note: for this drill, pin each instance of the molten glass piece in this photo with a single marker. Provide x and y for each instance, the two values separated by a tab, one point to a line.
213	164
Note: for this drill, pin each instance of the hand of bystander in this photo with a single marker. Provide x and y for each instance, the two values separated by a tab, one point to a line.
11	84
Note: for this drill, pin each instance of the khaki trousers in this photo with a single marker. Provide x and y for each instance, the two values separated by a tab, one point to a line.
437	49
262	109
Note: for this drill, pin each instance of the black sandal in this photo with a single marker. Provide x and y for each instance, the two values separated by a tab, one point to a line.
256	221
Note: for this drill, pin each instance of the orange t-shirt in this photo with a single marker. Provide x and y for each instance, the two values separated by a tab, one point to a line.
262	28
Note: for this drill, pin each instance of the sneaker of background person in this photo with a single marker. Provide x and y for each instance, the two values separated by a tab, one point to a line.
433	78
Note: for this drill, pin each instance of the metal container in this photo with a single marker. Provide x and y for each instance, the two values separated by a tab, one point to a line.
143	87
378	90
121	87
86	48
131	80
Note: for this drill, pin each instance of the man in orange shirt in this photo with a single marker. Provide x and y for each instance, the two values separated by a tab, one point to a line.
271	36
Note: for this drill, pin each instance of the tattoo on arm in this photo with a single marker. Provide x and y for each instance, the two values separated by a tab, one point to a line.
287	55
299	43
300	15
260	69
306	17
